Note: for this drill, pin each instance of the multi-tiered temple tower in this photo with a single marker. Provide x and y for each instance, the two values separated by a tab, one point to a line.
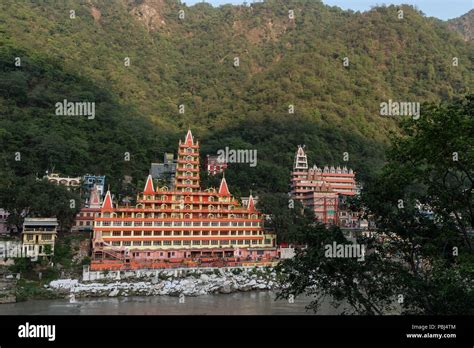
186	224
187	168
321	188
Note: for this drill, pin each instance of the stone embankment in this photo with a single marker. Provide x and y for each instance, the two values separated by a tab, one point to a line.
169	282
7	287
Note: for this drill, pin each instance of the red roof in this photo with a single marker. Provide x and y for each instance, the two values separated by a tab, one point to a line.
149	190
107	204
189	138
223	189
251	204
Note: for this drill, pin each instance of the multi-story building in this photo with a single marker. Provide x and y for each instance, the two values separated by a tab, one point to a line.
86	216
37	234
180	225
320	188
214	165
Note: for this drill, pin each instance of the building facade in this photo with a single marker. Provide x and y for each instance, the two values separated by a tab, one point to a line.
38	233
84	221
54	178
5	228
321	189
214	165
94	181
165	172
185	224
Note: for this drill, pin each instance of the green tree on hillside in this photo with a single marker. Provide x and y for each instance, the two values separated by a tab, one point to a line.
422	203
29	197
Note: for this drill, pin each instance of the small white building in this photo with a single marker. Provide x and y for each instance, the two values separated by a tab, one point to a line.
65	181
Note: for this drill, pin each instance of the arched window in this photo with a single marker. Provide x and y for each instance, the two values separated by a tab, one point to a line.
164	188
188	189
189	206
188	174
164	206
189	158
164	215
211	207
188	216
189	165
212	198
139	215
210	216
189	150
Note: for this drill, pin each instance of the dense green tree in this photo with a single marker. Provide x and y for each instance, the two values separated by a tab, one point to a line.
29	197
285	216
191	62
420	259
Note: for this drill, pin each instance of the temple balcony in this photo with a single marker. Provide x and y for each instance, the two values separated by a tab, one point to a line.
180	185
186	153
186	177
184	161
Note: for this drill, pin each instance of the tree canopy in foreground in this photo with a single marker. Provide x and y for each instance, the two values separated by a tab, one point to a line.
420	259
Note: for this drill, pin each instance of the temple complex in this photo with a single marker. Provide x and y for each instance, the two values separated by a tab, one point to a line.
320	189
183	225
85	218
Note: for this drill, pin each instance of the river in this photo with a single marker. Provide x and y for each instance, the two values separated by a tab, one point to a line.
239	303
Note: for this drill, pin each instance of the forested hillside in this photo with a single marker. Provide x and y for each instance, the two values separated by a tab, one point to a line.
188	58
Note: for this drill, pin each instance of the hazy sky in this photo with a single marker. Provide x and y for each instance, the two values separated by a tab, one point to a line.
442	9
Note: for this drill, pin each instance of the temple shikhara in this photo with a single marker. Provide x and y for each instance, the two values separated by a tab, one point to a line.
321	190
181	224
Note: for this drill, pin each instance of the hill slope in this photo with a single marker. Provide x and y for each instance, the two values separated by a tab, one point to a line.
190	61
464	25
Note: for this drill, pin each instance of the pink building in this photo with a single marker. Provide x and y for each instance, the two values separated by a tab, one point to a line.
4	228
214	165
86	216
321	188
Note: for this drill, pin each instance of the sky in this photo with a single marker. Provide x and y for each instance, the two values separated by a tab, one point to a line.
442	9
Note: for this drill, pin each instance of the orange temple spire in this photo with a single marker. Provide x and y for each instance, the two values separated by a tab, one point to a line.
223	189
149	190
107	204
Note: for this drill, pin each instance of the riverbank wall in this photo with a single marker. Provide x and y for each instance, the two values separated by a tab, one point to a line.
176	282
